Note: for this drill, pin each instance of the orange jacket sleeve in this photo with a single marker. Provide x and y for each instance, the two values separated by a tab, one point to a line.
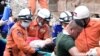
32	5
20	41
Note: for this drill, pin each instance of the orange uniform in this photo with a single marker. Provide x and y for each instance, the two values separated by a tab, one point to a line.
89	37
16	42
32	4
35	30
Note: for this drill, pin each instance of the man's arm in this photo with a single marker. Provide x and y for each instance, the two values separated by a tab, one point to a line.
32	5
70	47
74	52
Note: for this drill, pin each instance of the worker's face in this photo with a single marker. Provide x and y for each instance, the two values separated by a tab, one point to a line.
40	21
25	23
64	24
82	22
85	21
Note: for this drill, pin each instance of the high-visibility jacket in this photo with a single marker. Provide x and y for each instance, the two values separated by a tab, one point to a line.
89	37
32	4
16	42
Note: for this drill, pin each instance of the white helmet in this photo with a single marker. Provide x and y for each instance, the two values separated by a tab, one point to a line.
81	12
25	11
44	13
66	17
25	14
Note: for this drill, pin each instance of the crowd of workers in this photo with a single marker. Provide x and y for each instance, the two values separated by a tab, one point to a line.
75	34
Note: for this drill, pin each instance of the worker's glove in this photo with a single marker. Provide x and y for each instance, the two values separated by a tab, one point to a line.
92	52
9	22
37	44
5	22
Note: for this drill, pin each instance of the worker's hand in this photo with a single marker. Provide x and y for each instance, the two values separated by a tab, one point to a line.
48	40
37	44
8	22
5	22
2	22
92	52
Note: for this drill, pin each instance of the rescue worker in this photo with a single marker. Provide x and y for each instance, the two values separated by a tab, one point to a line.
4	30
65	45
5	18
90	35
16	38
32	4
39	30
65	18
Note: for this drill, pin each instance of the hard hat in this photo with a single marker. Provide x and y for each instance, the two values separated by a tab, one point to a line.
81	12
25	14
45	14
65	17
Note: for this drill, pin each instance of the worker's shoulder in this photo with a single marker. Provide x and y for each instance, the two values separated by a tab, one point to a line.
95	19
16	27
64	37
